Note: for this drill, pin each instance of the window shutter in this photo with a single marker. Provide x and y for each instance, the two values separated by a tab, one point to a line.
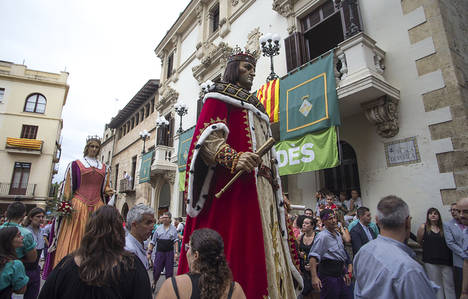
351	17
295	51
171	132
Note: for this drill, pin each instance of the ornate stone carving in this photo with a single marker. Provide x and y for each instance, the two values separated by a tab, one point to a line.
253	43
234	2
383	113
379	62
291	29
169	176
199	13
167	96
284	7
214	56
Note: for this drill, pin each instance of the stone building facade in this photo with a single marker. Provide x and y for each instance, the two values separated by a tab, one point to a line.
123	149
31	104
401	70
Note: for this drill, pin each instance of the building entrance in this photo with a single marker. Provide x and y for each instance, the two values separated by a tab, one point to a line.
344	177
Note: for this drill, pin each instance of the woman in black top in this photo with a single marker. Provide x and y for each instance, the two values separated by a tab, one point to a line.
305	243
437	257
100	268
209	276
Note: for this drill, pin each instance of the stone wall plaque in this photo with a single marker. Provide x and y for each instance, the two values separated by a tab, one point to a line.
402	152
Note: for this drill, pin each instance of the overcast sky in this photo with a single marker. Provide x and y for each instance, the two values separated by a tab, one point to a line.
106	46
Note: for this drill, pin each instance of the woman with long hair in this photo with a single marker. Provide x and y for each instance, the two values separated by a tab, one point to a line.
209	276
305	243
33	222
12	274
437	257
101	267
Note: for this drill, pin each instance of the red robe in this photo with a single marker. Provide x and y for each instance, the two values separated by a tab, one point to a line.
236	215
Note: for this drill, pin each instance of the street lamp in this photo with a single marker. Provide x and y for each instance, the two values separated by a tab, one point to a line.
270	47
143	135
161	121
181	109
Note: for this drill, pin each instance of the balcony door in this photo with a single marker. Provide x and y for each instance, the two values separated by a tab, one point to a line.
19	181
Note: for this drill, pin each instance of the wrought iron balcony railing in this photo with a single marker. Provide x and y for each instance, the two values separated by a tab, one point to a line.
11	190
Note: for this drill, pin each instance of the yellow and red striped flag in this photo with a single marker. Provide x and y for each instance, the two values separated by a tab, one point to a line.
268	95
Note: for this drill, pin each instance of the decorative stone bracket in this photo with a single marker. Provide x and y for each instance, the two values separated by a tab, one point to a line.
213	56
284	7
383	113
167	96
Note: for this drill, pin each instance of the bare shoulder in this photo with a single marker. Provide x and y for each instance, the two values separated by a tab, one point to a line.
238	292
183	285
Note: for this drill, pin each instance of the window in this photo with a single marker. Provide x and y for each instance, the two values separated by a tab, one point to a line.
165	133
147	110
214	18
137	118
134	161
322	30
116	178
19	181
35	103
29	132
2	94
170	64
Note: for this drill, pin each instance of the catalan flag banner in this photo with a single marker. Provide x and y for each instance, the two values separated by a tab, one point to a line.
268	95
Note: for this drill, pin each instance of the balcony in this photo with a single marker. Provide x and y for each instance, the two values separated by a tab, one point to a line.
24	146
162	160
361	84
126	186
23	190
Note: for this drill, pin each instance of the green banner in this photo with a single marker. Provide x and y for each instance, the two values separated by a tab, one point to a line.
182	181
315	151
145	169
184	144
308	99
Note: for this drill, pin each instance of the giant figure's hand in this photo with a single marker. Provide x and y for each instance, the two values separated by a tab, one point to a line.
248	161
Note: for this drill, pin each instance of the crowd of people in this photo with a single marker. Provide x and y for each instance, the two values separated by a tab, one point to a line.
354	258
337	259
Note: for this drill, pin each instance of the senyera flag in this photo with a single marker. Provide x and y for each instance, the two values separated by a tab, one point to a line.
268	95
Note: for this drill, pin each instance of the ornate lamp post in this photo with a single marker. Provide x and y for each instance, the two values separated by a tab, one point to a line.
181	110
143	135
270	47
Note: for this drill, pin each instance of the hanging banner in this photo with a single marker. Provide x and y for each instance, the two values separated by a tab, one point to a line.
184	144
308	99
268	95
309	153
145	169
182	181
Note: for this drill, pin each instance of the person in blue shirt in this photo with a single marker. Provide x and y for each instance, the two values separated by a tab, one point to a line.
385	268
12	274
26	253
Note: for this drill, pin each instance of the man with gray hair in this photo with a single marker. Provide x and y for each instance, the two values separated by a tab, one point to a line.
385	267
140	221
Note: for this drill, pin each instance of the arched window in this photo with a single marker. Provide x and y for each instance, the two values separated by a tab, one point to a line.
35	103
344	177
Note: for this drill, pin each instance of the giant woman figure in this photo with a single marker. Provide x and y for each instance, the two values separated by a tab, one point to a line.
86	187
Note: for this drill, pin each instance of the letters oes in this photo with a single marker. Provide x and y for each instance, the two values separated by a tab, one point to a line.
293	156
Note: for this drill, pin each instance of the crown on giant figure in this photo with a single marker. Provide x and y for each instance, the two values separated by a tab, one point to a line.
93	138
239	55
